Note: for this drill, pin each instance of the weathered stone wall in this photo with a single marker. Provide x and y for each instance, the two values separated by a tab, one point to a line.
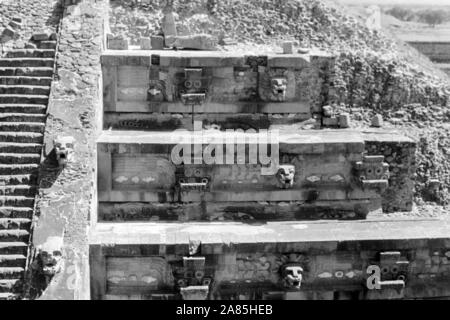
325	269
252	270
436	51
232	211
401	157
370	72
238	89
66	195
325	180
391	83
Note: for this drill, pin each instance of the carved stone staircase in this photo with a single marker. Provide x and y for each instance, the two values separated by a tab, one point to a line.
25	79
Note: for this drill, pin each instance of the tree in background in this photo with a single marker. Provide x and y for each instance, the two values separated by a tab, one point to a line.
401	13
432	17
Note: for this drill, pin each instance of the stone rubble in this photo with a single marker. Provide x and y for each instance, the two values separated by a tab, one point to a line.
23	19
377	121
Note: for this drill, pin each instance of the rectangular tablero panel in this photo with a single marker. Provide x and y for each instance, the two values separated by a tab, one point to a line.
141	92
311	171
137	275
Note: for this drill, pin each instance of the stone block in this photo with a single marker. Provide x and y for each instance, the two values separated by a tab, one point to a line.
333	121
8	32
228	41
389	257
223	72
117	44
195	263
327	111
168	25
303	50
298	295
146	43
288	47
17	19
72	10
30	45
199	42
194	292
392	284
42	36
433	185
292	61
344	120
377	121
157	42
15	25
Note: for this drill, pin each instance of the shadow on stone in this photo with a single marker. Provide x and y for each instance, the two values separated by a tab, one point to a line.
57	13
49	170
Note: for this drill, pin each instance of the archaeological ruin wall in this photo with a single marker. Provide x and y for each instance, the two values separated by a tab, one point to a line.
258	264
150	91
333	173
144	158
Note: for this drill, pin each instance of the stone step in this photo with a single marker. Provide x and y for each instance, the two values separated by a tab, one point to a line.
13	248
30	53
18	179
16	201
24	89
23	108
23	98
22	117
47	45
29	168
19	158
10	285
27	62
26	137
20	147
8	296
14	235
26	72
30	81
18	223
11	273
22	126
12	260
18	190
16	212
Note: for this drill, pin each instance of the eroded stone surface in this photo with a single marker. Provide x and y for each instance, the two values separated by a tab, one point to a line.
66	196
335	255
198	41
